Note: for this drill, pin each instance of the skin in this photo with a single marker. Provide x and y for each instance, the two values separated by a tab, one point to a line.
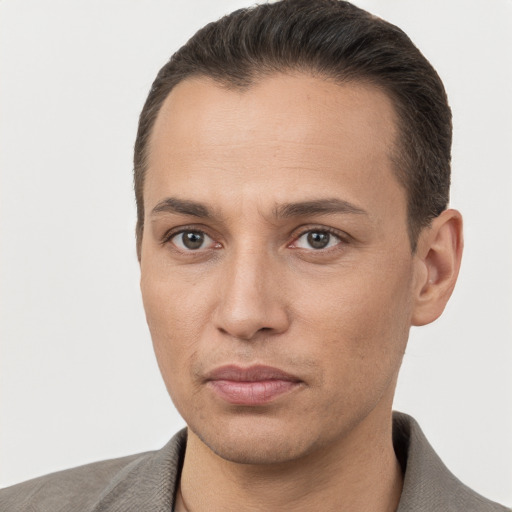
256	292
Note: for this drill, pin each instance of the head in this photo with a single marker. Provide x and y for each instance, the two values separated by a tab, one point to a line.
291	173
331	39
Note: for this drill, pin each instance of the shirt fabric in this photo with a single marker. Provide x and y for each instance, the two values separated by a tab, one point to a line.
149	481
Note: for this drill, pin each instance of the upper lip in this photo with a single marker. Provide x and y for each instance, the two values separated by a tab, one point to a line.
250	374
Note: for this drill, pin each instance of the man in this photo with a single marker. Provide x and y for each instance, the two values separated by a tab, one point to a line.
291	174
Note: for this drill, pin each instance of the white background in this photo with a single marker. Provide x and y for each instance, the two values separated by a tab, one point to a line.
79	380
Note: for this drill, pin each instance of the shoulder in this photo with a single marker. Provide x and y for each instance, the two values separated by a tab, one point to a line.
145	481
72	489
428	484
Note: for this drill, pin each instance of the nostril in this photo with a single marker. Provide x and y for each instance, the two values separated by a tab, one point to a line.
246	333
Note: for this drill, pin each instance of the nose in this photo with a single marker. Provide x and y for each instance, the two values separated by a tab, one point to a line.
251	297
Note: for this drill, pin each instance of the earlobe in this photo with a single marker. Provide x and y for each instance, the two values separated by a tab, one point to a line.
438	260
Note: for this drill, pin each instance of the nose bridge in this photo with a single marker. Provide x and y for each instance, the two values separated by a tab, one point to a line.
249	269
251	296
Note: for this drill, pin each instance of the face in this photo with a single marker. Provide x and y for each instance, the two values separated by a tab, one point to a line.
277	272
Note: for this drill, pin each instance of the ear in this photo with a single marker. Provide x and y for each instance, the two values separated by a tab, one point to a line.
437	261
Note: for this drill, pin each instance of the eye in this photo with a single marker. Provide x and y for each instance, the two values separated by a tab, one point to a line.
192	240
317	239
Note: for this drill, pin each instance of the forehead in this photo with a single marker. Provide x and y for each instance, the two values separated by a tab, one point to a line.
292	133
317	104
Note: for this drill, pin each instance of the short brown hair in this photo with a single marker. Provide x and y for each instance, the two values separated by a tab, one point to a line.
336	40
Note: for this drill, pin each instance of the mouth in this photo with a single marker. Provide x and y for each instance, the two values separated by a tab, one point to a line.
252	386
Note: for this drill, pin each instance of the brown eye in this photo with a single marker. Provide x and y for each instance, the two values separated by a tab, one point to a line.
191	240
317	240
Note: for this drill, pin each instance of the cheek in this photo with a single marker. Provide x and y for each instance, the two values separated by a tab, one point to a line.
361	323
176	313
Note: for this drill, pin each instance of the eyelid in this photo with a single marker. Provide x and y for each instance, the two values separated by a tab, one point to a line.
344	237
169	233
341	235
194	228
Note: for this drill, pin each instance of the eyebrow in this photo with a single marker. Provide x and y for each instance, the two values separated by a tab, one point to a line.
283	211
182	207
317	207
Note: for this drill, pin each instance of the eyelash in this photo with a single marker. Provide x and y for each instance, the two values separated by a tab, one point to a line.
342	237
169	235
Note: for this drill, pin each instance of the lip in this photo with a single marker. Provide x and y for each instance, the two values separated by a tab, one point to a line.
252	386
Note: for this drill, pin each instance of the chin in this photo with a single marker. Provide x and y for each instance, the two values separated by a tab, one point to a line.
250	451
252	445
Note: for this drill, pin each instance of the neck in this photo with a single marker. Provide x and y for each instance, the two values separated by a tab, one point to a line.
358	473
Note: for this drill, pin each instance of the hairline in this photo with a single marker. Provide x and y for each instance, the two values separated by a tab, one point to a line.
397	148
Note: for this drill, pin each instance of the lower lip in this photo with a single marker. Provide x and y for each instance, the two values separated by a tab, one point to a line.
251	393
